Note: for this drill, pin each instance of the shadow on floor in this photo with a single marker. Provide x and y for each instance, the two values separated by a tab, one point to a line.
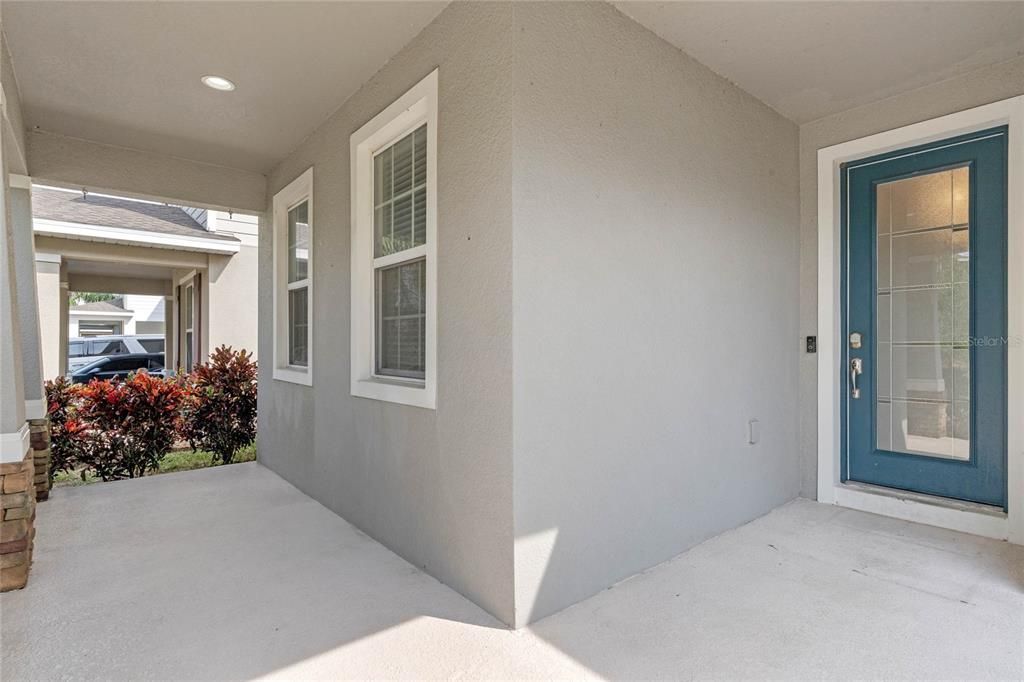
222	573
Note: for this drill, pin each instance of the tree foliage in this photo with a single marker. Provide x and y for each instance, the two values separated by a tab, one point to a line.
80	297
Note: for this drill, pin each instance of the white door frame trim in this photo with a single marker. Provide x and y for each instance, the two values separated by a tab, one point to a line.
830	489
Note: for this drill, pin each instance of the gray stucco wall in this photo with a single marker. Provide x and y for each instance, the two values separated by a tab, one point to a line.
979	87
434	486
656	284
626	272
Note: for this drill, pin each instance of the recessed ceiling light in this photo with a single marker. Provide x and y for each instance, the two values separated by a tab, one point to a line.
218	83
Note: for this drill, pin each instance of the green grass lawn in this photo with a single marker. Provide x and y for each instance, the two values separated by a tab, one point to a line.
176	460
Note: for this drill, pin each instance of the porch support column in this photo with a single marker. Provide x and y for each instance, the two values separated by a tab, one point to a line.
170	333
27	306
17	468
65	314
13	429
27	303
48	294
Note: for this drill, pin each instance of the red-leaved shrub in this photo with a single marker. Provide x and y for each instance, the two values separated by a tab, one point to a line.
67	434
219	412
132	423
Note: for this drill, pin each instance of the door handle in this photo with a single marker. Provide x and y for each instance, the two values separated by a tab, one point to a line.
856	369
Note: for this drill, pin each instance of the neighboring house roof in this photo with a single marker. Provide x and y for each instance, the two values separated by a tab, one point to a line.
98	307
72	207
69	214
100	310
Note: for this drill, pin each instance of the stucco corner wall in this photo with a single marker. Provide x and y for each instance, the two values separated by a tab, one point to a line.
983	86
232	305
650	230
656	279
435	486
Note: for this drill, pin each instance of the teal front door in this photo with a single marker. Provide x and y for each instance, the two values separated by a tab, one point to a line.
925	319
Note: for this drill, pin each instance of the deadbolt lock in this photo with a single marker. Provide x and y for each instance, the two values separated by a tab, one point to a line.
855	340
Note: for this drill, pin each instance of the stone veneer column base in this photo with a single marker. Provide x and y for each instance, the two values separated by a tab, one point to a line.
17	529
39	430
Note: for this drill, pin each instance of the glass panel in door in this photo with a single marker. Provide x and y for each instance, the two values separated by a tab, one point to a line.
923	311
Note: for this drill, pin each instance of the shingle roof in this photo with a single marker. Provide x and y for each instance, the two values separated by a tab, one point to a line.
72	207
98	307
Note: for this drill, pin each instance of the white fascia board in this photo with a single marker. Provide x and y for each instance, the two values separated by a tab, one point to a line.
119	235
48	257
105	314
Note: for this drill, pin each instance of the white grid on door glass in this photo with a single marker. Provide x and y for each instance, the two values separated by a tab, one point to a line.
923	314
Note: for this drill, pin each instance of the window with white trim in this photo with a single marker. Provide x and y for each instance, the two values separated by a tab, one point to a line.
298	284
190	317
394	251
293	281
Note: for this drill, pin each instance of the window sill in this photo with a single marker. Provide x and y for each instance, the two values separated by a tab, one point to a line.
395	390
293	375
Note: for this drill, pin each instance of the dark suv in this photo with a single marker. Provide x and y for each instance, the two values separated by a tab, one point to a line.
119	366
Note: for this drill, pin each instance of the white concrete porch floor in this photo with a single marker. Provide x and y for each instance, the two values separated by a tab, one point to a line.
232	573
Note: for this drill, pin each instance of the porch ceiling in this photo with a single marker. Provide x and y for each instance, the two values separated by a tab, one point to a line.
127	73
812	59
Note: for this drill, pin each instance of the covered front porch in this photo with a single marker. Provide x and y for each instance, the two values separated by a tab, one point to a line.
232	573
